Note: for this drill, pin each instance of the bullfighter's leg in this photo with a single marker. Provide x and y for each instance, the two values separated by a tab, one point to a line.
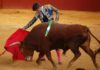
58	51
41	54
48	54
77	54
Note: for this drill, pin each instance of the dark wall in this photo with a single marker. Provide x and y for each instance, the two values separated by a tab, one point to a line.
87	5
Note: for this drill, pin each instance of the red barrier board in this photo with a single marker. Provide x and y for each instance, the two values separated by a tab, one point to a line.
85	5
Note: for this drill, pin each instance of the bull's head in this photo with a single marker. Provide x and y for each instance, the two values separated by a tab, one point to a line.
26	50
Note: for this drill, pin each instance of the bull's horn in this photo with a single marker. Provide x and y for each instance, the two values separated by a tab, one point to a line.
15	43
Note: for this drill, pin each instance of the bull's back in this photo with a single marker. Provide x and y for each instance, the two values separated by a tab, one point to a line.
66	31
57	31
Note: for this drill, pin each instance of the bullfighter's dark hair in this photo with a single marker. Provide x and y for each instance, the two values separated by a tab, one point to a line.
35	6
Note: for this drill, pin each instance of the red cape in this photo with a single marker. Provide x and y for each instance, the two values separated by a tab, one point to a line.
19	35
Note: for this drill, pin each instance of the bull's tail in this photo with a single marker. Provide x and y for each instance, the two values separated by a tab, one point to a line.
94	37
2	53
98	50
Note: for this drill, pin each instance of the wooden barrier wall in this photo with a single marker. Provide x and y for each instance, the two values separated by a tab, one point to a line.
87	5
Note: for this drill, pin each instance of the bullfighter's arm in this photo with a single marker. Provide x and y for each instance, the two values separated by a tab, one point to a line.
56	11
31	22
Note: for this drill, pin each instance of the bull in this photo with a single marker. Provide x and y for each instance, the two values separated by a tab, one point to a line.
97	51
61	36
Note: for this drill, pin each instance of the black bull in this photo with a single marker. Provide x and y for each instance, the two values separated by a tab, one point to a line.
61	36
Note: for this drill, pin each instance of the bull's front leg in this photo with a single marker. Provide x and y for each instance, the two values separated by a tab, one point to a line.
38	61
48	54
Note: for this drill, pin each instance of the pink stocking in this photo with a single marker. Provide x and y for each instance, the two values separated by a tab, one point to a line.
59	55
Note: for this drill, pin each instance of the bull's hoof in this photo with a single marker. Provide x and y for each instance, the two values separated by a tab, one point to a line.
38	62
80	69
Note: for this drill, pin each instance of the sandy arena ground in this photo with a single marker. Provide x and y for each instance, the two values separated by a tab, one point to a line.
11	20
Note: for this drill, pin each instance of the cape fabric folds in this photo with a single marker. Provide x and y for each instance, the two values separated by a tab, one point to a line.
18	35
